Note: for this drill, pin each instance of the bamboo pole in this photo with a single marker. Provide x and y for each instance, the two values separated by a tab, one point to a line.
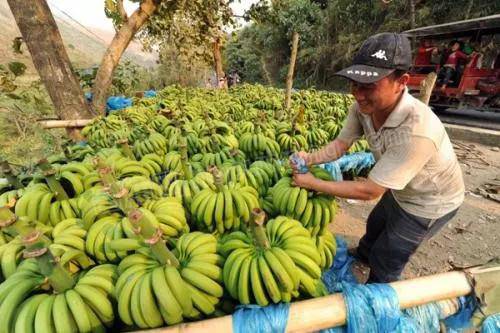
64	123
330	311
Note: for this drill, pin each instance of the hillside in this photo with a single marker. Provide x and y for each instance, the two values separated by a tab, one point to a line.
84	49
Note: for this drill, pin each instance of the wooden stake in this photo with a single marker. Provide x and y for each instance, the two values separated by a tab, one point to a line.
330	311
65	123
291	70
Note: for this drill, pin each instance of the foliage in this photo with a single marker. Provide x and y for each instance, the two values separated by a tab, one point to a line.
17	68
331	32
127	78
21	140
177	68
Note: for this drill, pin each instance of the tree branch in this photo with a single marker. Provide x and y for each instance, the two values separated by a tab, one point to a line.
121	10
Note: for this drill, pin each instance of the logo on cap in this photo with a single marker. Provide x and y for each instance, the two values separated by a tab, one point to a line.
380	54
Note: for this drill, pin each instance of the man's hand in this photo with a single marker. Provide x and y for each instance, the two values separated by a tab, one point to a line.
303	155
305	180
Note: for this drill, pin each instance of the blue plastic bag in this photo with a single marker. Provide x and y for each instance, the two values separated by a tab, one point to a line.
150	93
117	103
491	324
257	319
341	269
353	162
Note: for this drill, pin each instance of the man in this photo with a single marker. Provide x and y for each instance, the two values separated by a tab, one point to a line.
416	171
423	57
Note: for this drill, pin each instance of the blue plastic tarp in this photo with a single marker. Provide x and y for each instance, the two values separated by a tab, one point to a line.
352	162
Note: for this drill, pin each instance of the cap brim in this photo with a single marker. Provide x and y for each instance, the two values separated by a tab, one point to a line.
364	73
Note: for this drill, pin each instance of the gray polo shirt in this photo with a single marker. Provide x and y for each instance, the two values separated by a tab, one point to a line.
414	157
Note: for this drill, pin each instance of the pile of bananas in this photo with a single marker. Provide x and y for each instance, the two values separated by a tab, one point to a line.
271	263
165	191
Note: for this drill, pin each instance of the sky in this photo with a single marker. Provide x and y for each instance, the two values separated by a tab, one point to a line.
90	13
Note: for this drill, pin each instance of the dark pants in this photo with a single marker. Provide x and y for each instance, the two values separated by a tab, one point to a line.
446	75
392	236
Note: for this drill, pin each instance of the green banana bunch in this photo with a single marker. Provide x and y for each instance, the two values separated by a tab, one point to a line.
77	152
37	204
332	128
254	176
96	204
327	248
150	293
317	137
159	122
68	244
218	158
292	142
138	116
173	161
108	239
154	143
271	263
154	163
85	307
170	214
314	211
224	208
258	146
141	188
274	170
103	132
10	198
125	167
177	185
359	146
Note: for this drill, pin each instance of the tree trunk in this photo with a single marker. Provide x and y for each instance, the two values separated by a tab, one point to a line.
115	51
267	75
412	14
469	8
412	22
219	71
40	32
291	69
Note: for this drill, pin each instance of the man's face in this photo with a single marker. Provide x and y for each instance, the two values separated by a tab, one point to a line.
373	97
455	47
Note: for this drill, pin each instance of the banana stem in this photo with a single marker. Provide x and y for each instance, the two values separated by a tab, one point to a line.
120	194
9	174
258	229
188	174
125	147
218	178
59	278
152	236
50	176
7	217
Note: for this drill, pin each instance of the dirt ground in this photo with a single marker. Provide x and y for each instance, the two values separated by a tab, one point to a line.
471	238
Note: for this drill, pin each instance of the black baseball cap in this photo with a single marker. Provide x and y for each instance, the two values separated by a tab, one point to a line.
379	56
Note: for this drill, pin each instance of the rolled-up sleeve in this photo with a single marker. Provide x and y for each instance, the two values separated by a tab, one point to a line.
352	129
400	163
